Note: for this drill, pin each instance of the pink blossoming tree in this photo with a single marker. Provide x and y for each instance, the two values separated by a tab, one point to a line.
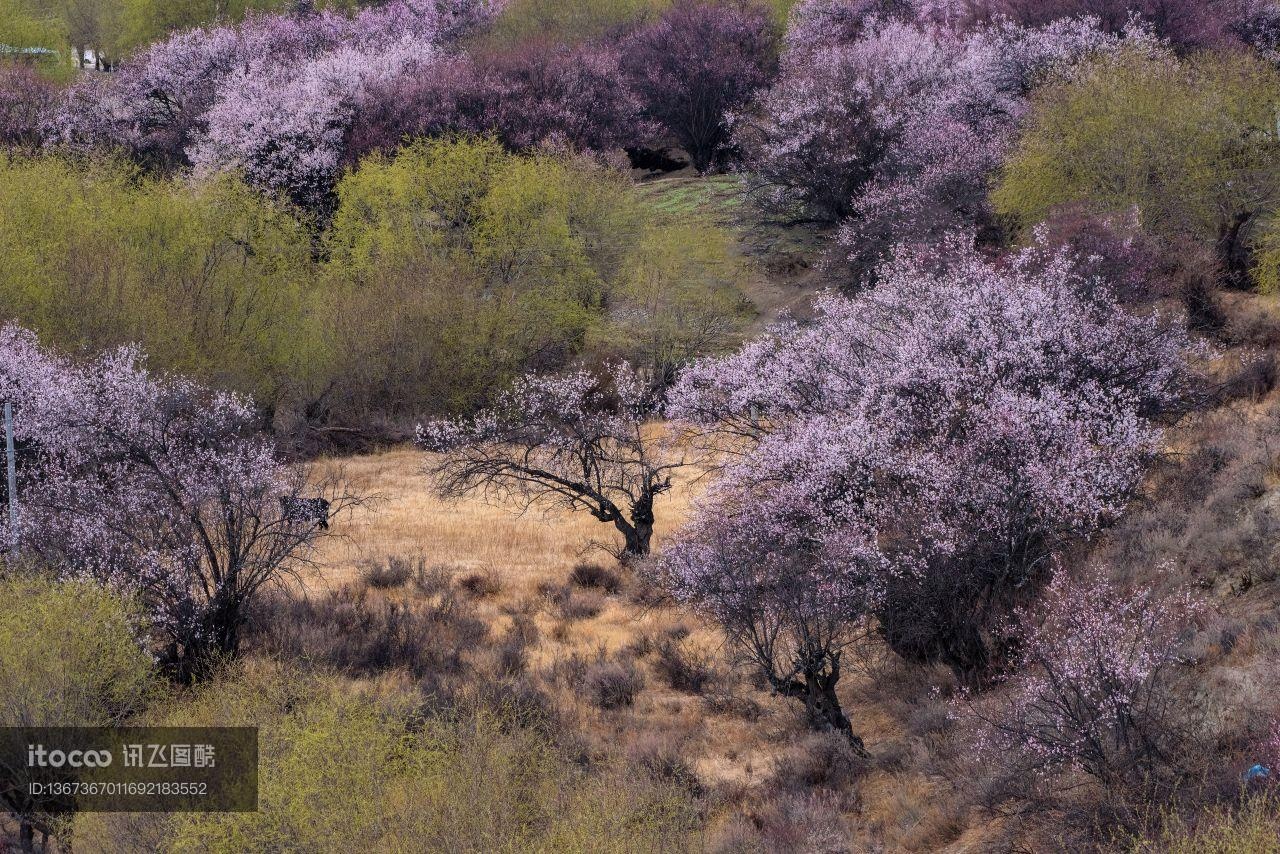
815	25
273	97
157	488
1256	23
1094	693
918	454
286	130
895	132
1186	24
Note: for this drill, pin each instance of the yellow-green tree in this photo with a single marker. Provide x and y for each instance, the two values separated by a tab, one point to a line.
144	21
569	21
452	265
444	272
70	656
210	277
26	25
575	21
92	24
455	265
676	297
141	22
1191	144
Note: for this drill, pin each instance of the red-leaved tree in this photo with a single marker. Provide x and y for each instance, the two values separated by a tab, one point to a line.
696	64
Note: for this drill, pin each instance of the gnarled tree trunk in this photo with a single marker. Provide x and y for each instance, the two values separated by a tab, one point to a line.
822	706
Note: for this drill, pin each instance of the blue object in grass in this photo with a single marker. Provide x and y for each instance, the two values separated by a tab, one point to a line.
1257	772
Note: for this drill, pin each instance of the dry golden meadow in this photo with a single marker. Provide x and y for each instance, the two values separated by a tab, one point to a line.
734	742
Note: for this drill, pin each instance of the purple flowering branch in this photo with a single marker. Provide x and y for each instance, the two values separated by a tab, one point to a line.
158	488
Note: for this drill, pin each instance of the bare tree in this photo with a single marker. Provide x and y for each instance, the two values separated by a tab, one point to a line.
582	441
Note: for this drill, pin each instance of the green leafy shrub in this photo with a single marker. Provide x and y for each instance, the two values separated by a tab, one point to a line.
344	771
1190	144
211	278
455	266
69	655
1266	246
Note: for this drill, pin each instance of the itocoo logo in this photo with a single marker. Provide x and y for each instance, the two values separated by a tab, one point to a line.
39	757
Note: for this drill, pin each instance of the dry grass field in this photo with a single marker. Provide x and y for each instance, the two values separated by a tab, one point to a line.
405	518
733	736
523	554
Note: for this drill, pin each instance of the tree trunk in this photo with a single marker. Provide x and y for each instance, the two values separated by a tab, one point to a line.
1234	251
642	522
636	537
823	707
216	637
225	621
638	532
825	714
26	837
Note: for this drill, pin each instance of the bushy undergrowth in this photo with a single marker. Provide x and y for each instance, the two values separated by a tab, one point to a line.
354	631
1251	826
71	654
612	684
373	771
594	576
